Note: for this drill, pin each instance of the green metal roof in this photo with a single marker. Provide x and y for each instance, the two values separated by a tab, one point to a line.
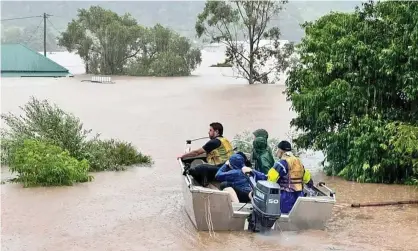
18	60
35	74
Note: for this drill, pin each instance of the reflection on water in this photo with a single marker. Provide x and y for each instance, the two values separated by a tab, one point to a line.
142	208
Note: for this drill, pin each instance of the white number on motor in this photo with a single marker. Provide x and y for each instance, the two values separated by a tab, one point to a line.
260	195
273	201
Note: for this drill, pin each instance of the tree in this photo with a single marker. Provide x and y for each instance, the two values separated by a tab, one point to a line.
230	21
355	93
10	34
165	53
76	39
103	39
113	44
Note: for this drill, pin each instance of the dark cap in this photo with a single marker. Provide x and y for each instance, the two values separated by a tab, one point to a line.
285	146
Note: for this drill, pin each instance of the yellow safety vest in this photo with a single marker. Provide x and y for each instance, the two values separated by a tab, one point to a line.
294	179
221	154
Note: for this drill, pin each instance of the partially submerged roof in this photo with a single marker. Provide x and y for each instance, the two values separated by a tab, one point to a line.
18	60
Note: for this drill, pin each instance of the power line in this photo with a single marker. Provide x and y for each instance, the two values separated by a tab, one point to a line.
66	18
44	17
18	18
53	26
36	31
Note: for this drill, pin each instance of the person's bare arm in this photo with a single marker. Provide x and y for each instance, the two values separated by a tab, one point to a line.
193	153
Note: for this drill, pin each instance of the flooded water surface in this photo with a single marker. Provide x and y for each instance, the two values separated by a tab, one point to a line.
142	208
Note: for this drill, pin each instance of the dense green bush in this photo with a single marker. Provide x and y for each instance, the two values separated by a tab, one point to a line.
48	123
373	150
165	54
42	120
355	92
113	155
40	163
9	147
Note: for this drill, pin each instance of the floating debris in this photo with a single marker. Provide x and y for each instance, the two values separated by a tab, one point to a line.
100	79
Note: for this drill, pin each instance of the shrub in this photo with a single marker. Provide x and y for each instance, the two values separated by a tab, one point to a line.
374	150
39	162
113	155
44	122
9	147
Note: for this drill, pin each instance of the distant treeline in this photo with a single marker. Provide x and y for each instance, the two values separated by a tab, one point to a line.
179	16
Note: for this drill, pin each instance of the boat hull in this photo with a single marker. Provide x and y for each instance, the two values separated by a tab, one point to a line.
211	209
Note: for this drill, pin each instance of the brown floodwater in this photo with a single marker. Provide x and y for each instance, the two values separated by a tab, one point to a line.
142	208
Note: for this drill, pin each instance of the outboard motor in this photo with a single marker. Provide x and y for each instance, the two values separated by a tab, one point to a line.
266	206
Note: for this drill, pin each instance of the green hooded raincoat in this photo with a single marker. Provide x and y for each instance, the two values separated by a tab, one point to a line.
262	157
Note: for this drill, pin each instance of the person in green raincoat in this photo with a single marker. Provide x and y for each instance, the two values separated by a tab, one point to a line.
264	134
261	133
262	156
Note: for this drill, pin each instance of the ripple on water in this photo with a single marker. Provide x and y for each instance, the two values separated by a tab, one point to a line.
142	208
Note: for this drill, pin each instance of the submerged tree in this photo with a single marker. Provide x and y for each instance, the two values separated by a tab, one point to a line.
229	22
103	39
164	53
113	44
355	91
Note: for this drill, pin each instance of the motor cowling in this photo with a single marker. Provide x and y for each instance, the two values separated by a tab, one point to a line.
266	206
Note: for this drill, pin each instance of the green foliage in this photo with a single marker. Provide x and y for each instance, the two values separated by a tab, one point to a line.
178	15
372	150
48	123
103	39
229	21
354	90
113	155
165	53
39	163
226	63
118	45
42	120
8	147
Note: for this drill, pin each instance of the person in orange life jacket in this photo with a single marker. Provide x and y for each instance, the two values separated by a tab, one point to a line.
289	173
218	150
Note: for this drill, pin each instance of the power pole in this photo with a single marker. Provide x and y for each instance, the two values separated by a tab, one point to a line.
45	34
45	17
